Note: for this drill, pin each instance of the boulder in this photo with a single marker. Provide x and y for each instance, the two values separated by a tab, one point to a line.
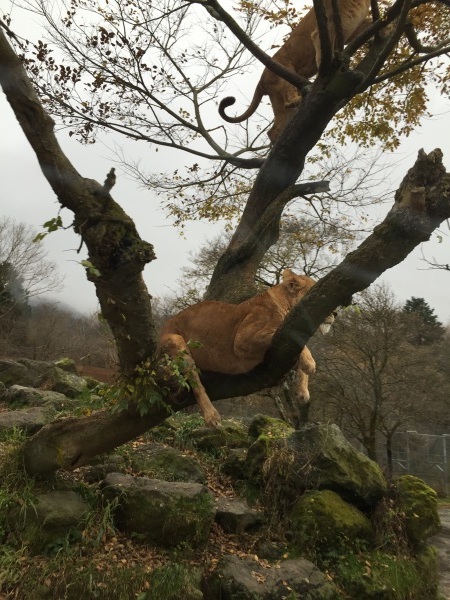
160	462
417	501
235	516
41	374
101	466
28	419
229	435
12	371
163	513
67	364
233	463
51	521
324	459
19	395
245	578
322	520
270	434
264	425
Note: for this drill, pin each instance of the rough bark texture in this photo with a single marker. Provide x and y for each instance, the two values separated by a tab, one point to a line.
233	279
115	248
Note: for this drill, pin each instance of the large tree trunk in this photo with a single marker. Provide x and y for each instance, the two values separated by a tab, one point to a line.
115	249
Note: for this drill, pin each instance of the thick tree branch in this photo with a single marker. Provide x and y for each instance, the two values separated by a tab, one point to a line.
116	252
422	203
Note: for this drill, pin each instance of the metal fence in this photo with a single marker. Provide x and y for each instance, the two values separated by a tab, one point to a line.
423	455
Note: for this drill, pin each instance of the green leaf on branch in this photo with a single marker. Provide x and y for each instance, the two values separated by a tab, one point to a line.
51	225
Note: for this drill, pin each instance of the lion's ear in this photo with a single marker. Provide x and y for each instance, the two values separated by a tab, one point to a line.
288	274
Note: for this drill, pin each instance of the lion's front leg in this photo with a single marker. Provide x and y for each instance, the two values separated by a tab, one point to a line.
306	366
175	346
306	362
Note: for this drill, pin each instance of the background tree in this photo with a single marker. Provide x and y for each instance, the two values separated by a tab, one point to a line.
427	328
373	381
307	245
38	274
53	331
14	308
116	252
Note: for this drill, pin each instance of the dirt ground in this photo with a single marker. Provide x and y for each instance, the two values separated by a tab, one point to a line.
441	541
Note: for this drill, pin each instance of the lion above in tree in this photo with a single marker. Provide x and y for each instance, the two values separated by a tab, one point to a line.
301	54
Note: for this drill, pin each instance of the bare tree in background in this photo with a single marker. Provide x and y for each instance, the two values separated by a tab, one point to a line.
373	380
38	274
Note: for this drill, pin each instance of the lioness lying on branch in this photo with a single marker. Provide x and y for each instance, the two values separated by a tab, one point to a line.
301	54
233	338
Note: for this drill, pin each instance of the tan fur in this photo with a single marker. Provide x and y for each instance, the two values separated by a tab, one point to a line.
235	337
301	54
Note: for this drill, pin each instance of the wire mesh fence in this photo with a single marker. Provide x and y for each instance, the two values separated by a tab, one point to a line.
424	455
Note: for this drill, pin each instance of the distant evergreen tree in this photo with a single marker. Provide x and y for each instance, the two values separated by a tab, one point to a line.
423	309
13	297
429	329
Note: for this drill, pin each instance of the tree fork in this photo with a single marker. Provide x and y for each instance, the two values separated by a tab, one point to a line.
422	203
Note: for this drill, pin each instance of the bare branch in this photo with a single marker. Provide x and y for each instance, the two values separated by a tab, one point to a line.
326	50
300	82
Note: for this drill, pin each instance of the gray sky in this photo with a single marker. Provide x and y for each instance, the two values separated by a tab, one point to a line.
26	196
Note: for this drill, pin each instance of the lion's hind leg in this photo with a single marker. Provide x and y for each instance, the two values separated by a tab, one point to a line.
175	346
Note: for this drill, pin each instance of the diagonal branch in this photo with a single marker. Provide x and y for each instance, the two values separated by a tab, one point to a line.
422	203
117	254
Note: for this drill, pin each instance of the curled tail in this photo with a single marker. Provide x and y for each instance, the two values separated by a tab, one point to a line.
229	100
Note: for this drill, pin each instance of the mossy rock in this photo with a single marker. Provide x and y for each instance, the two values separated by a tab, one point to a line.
418	502
257	455
160	462
321	521
67	364
324	459
269	426
54	519
233	464
379	576
229	435
161	512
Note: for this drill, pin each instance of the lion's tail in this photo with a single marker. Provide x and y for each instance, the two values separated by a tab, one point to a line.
229	100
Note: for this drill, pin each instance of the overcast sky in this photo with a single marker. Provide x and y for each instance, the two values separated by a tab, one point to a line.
26	196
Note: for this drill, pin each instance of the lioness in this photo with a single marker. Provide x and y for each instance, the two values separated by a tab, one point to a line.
300	53
233	338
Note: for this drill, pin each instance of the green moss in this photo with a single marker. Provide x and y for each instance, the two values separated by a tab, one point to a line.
230	435
270	427
168	464
322	523
418	502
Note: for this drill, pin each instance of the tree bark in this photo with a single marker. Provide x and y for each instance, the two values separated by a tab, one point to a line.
115	248
233	279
